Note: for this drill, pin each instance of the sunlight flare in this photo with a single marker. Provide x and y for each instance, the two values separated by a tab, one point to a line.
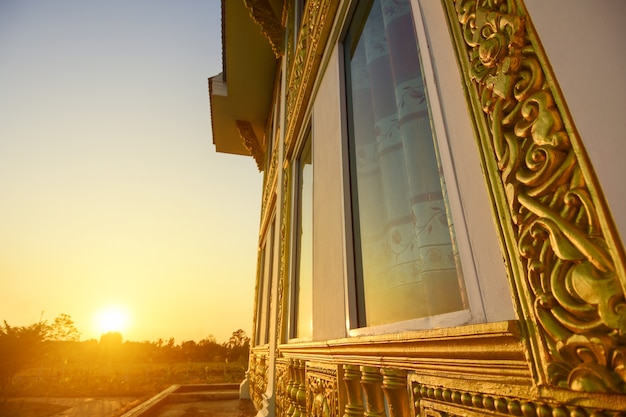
112	319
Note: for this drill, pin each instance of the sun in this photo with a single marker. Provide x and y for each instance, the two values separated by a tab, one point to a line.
112	319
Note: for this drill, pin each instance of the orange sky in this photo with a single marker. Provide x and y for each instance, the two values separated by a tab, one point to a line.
111	192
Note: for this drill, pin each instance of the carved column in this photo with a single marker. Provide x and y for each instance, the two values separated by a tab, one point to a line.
395	389
372	380
292	388
354	402
301	390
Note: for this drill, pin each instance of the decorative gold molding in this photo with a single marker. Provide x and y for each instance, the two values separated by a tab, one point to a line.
489	354
312	388
314	32
283	275
564	255
269	181
262	13
251	142
434	400
289	20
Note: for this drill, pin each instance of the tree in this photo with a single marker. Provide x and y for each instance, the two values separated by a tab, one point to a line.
211	350
238	339
20	346
238	346
63	329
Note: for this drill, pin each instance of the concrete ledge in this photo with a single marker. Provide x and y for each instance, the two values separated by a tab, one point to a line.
186	397
177	394
149	407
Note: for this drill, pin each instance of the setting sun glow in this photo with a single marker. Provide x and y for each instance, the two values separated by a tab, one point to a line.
112	319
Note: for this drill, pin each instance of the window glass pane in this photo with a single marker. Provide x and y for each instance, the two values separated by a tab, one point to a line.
304	254
407	263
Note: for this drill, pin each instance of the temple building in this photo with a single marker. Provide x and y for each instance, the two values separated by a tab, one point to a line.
443	204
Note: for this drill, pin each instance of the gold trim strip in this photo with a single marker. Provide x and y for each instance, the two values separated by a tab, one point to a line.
314	32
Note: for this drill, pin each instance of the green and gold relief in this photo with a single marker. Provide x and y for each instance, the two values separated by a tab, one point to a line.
565	258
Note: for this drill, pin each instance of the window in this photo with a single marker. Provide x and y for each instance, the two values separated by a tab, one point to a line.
302	282
407	263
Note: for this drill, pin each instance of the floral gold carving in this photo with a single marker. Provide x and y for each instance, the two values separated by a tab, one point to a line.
262	13
322	394
564	254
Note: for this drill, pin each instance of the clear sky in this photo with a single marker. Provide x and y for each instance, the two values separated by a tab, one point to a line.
111	192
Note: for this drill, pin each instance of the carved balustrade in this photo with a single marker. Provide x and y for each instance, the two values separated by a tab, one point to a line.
257	375
316	389
470	371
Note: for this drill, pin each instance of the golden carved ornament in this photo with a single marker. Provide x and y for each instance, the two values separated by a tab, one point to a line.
564	255
262	13
322	393
251	142
283	273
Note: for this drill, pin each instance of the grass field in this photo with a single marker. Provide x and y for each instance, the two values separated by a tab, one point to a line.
119	379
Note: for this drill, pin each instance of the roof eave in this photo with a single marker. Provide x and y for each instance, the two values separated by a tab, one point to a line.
240	96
